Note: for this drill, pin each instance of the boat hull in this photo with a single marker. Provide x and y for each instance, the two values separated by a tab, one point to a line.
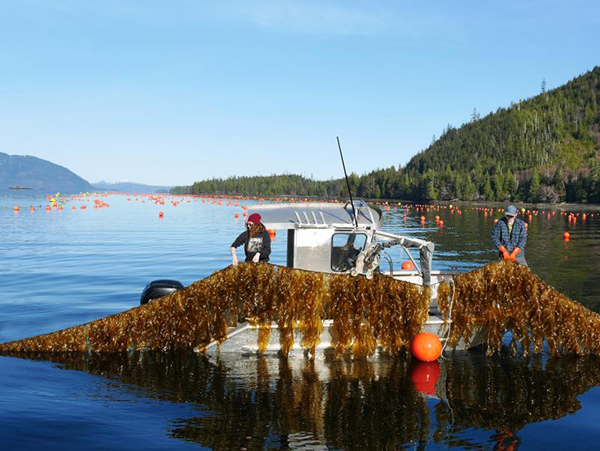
244	339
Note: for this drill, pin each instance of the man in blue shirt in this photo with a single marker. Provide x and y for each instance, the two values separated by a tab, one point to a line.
509	235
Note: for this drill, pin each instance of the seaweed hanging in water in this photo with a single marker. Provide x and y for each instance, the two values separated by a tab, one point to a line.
365	313
505	296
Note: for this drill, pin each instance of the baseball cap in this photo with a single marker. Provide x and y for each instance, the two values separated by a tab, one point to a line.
511	210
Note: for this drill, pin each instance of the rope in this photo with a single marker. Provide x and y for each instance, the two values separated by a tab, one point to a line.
449	318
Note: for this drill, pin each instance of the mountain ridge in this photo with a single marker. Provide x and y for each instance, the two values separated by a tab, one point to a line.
130	187
36	173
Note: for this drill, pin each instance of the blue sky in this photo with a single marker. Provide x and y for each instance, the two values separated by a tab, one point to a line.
169	92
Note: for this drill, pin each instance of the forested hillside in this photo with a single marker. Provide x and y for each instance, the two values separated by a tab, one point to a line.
543	149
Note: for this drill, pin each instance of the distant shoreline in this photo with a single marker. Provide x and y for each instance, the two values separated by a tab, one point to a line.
564	206
541	206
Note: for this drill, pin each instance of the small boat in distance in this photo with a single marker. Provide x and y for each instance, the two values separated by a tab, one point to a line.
17	187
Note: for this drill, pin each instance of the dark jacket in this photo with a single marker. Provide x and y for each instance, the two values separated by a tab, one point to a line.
259	244
516	238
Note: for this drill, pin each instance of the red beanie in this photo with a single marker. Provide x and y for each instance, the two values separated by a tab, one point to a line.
254	217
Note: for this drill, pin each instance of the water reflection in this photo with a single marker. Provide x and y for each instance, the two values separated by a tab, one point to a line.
271	403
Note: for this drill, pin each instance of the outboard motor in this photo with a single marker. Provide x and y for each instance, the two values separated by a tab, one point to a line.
159	288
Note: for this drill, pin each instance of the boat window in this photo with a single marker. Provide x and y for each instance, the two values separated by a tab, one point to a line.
345	247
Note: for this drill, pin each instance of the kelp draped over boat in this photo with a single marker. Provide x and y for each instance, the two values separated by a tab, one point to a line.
381	311
506	296
364	312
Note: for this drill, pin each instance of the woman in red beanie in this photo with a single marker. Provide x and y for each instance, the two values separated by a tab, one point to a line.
256	241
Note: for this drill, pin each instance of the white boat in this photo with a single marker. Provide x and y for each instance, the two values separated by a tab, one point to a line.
340	239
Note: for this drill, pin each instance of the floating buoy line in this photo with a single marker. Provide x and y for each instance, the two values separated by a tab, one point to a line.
381	312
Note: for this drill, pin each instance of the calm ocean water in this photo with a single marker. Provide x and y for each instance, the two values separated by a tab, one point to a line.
62	268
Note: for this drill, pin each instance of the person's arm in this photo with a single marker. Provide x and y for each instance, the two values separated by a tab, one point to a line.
496	234
265	250
521	240
237	243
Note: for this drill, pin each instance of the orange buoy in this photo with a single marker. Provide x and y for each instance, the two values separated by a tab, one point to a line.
272	232
408	265
424	376
441	223
73	207
237	215
422	218
426	347
16	208
161	214
495	221
566	236
32	208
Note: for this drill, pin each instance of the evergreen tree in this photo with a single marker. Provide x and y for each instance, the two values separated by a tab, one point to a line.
470	189
534	186
498	186
510	185
558	183
488	192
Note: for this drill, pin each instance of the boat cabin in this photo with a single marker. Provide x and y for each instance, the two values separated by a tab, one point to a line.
342	238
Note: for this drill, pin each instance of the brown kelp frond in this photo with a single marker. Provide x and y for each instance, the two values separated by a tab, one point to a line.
505	296
366	313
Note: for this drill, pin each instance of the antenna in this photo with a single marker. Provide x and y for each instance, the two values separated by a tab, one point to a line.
347	183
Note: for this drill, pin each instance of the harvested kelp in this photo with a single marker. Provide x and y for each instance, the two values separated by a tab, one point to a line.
505	296
364	312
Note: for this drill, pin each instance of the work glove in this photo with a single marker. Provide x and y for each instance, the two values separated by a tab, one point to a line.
514	253
505	253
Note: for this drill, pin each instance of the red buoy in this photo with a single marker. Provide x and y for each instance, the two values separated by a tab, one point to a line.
566	236
408	265
161	214
426	347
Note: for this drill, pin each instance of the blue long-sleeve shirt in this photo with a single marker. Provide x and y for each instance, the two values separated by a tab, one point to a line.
501	236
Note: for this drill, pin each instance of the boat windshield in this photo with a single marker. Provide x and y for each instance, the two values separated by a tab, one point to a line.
345	248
